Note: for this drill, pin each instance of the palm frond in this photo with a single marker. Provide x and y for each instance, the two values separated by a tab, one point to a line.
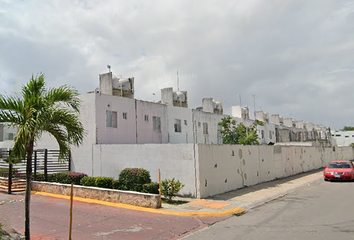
67	121
61	137
41	110
64	95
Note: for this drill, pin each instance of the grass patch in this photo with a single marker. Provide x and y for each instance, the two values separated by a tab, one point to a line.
239	214
174	202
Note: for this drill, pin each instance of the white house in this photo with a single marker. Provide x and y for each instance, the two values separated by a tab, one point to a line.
112	116
343	138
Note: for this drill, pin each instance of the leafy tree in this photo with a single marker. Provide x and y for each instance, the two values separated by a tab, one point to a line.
39	110
348	128
232	133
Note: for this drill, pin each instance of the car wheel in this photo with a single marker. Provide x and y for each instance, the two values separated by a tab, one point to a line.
325	179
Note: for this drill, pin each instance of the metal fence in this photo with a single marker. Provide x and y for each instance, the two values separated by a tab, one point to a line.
44	161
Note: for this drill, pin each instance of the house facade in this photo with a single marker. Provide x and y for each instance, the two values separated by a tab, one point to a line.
113	116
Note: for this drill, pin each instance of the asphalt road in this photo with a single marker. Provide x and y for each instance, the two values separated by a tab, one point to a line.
323	210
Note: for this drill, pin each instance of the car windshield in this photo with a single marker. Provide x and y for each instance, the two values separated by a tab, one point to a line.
339	165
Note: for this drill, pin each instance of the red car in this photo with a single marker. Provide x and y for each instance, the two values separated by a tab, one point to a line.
339	170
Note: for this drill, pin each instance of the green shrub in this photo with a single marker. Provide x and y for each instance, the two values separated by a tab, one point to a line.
61	177
136	187
134	178
4	172
39	177
151	188
88	181
51	178
170	188
76	177
116	185
103	182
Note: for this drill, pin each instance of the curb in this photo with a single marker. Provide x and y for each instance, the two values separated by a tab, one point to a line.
233	211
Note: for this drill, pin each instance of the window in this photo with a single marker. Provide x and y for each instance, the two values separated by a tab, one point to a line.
198	124
185	122
146	118
338	135
270	134
339	165
156	121
346	136
9	136
177	125
205	128
111	119
262	134
125	115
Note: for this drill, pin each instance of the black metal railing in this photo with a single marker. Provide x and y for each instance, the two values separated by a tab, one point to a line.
44	161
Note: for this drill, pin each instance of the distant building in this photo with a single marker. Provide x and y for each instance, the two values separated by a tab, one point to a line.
342	138
111	115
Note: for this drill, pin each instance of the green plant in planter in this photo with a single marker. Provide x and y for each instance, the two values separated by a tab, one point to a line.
88	181
60	177
134	178
151	188
170	188
76	177
116	185
104	182
39	177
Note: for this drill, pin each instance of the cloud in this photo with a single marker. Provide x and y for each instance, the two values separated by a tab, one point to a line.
295	56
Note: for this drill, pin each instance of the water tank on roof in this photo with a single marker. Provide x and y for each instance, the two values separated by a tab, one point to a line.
121	83
179	97
125	84
217	104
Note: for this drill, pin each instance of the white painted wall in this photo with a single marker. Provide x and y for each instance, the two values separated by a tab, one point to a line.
82	156
268	133
125	133
186	134
146	134
5	131
174	160
343	138
208	170
224	168
213	137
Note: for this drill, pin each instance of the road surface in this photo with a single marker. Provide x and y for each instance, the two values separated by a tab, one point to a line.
321	211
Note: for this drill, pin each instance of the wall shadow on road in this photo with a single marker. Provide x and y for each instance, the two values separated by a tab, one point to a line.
272	184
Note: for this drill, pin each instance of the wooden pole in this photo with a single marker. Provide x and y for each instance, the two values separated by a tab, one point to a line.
160	188
46	165
9	186
71	210
35	166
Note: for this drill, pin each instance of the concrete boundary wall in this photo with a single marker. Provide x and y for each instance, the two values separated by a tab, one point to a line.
109	195
224	168
207	170
174	161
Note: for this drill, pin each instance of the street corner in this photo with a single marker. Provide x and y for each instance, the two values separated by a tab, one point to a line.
207	208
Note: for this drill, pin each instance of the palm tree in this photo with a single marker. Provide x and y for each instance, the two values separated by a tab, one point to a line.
37	111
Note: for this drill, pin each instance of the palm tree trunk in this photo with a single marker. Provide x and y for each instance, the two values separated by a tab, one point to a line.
28	189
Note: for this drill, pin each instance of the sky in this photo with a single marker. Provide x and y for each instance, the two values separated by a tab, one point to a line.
289	57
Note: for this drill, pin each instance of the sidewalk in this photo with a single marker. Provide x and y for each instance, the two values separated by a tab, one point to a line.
238	201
